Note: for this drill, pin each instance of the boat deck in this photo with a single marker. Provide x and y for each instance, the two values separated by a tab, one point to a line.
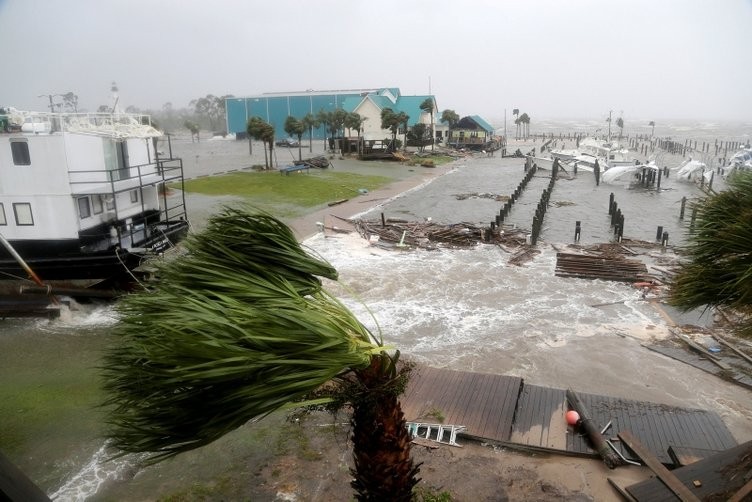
505	410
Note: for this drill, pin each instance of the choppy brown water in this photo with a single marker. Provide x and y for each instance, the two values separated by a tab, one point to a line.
459	309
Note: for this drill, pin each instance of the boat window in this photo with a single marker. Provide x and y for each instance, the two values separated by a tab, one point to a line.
3	221
116	159
134	195
20	151
22	211
84	209
96	202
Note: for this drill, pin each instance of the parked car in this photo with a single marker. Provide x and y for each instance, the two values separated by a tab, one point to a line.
287	142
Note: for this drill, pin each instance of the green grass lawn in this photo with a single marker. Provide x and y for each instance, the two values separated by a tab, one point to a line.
302	189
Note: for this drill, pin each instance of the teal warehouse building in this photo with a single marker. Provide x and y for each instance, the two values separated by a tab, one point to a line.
275	107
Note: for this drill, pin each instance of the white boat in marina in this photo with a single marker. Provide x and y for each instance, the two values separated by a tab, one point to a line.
83	197
608	154
688	169
627	172
741	161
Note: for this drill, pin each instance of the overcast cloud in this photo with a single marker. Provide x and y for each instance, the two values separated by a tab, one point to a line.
647	59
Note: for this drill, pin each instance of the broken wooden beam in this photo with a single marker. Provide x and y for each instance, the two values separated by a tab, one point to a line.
672	482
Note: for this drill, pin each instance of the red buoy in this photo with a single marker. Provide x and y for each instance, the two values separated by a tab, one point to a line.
572	417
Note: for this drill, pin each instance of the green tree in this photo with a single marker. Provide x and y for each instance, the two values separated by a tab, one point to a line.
205	351
309	121
295	127
419	135
337	123
262	131
193	128
525	121
620	125
450	118
393	122
719	270
652	124
325	118
70	101
428	106
211	107
354	121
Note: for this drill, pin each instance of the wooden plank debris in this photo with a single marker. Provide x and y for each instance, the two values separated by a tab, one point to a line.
672	482
599	267
682	455
429	235
721	477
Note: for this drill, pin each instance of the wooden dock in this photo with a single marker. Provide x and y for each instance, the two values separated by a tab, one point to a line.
505	410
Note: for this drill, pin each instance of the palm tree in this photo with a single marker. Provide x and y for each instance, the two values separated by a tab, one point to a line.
309	122
324	118
240	327
428	106
652	131
295	127
719	270
451	118
353	121
525	121
516	113
260	130
193	128
620	125
391	121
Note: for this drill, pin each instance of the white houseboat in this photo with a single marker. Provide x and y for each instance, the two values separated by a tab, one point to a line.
84	197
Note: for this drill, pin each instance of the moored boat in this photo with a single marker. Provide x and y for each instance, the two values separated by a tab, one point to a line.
84	198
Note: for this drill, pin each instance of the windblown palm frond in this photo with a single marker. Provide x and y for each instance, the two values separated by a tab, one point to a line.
719	270
236	329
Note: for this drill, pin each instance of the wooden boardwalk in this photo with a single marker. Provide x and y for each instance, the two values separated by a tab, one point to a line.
504	409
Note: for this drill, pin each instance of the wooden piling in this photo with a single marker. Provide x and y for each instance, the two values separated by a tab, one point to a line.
681	211
610	458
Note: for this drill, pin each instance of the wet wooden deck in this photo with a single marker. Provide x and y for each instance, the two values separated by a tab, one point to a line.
724	472
505	410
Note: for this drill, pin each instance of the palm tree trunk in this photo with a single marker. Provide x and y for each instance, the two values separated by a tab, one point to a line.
383	469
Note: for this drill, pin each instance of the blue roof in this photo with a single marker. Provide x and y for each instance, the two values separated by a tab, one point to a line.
482	123
352	102
411	106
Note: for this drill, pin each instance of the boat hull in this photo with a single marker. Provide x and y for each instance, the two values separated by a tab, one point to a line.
76	269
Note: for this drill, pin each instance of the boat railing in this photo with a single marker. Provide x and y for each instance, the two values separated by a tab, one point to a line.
164	173
112	124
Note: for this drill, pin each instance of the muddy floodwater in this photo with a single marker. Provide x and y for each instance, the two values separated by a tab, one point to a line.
462	309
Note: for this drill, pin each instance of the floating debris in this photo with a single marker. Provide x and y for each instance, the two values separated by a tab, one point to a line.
429	235
496	197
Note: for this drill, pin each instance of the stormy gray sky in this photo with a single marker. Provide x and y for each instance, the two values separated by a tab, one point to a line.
645	59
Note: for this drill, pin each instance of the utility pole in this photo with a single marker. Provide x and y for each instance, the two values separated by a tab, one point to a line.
50	96
609	124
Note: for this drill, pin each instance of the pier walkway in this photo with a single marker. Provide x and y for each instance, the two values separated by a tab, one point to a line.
507	411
